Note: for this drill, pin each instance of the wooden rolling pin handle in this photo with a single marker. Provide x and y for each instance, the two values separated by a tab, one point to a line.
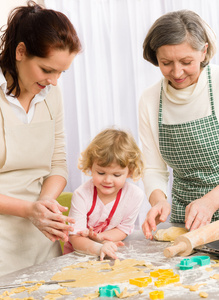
173	250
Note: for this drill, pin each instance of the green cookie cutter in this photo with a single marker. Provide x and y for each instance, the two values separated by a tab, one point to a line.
108	290
189	263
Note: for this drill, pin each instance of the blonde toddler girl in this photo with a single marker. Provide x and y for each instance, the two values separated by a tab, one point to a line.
106	206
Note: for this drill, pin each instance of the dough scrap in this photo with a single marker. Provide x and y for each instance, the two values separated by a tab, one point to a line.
21	289
169	234
192	288
203	295
92	295
125	293
208	269
93	273
59	291
52	296
215	276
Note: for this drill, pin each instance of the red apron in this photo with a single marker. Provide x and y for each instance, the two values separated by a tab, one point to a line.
102	226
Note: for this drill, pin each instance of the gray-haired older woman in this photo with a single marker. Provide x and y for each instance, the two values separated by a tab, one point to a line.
179	122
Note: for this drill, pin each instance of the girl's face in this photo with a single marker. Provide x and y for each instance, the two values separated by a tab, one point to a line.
35	73
180	64
109	180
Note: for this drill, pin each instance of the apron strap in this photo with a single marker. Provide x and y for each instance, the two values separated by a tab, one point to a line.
49	109
94	202
114	206
210	90
103	225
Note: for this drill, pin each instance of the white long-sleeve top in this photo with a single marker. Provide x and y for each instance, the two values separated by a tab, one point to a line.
179	106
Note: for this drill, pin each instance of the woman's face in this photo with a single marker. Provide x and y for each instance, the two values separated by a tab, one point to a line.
35	73
180	64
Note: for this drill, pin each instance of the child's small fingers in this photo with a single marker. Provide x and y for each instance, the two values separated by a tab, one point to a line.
120	243
102	255
111	253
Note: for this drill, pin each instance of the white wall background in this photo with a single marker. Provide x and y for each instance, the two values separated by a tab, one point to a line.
7	6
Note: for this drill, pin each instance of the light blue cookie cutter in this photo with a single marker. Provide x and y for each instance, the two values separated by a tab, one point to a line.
189	263
108	290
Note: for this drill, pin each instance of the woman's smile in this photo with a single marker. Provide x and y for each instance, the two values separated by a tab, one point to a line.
180	64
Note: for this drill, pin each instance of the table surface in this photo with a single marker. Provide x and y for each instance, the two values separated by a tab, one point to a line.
136	247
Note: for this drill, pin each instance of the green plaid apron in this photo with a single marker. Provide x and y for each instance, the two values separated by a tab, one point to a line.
191	149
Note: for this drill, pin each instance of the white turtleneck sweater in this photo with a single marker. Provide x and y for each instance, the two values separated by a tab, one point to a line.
179	106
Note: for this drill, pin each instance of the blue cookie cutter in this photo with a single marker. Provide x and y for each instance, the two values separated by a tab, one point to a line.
108	290
189	263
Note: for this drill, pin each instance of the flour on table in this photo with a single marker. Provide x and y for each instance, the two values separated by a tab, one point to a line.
192	288
126	294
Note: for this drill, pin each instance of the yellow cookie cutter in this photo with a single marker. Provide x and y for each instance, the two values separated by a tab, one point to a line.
163	280
160	272
141	282
156	295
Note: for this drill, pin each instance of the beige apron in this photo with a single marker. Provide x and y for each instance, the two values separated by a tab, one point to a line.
29	149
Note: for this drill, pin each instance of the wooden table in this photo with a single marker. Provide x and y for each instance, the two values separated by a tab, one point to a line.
136	247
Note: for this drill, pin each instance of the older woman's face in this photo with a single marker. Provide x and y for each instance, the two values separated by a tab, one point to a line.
180	64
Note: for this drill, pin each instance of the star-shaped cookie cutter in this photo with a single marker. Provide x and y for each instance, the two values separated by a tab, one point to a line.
108	290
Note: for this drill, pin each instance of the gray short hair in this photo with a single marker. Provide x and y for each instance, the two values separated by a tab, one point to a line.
175	28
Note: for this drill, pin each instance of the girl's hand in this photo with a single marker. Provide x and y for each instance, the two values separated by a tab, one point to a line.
84	233
91	234
109	249
158	213
47	216
199	213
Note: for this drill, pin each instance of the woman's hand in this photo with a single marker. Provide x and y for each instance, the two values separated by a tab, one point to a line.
109	249
91	234
158	213
199	212
47	216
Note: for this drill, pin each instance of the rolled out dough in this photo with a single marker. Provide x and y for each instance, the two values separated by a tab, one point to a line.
169	234
94	273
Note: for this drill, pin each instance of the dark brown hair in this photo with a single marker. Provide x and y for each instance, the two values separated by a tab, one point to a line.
41	30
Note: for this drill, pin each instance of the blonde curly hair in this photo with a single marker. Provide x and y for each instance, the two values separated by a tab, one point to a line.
113	146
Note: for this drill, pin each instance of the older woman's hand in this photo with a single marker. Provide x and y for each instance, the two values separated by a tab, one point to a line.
47	216
199	212
157	214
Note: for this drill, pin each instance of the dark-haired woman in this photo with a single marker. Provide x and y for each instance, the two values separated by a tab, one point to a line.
36	47
179	122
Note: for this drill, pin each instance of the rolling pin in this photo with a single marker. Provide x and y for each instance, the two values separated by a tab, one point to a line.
184	244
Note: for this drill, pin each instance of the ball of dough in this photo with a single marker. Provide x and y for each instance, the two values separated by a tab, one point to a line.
169	234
